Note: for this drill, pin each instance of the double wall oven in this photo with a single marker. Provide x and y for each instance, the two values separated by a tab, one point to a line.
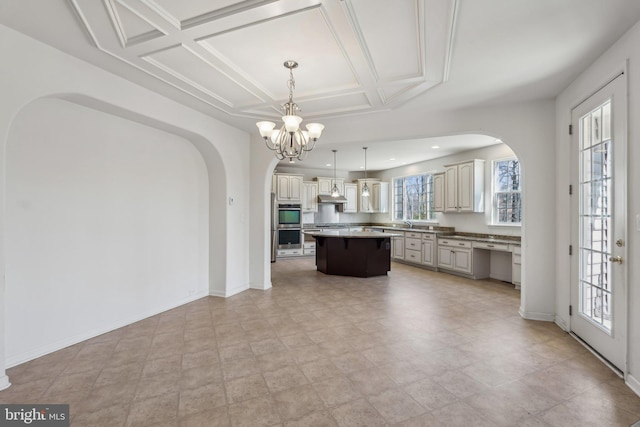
289	226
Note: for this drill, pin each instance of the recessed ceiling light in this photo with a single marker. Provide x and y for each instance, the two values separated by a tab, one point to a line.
498	140
361	167
435	147
328	164
392	159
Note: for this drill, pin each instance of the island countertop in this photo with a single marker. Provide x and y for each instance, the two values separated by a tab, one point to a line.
351	234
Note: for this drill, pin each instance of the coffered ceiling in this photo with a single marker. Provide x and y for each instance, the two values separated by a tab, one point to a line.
354	56
362	62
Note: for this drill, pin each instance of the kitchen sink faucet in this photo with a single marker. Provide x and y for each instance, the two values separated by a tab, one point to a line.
409	224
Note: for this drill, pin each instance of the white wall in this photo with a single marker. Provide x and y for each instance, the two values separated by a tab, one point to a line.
626	49
38	71
467	222
107	223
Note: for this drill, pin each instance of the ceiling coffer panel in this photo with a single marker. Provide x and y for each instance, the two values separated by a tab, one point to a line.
187	13
198	72
259	50
130	27
394	51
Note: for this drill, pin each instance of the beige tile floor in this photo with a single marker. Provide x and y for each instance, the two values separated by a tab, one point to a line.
415	348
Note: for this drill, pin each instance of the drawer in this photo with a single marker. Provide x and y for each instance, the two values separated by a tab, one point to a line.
428	236
390	230
412	243
413	235
454	243
491	246
309	245
412	255
515	259
309	251
289	252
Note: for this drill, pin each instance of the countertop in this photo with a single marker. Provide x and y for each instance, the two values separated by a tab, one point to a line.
351	234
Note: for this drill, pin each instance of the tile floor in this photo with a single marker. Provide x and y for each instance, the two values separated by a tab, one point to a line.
415	348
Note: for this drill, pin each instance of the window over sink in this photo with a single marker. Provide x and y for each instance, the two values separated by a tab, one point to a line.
413	198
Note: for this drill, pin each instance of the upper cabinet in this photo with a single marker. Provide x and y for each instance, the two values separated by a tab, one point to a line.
325	185
438	192
364	202
464	187
378	199
289	187
310	196
351	193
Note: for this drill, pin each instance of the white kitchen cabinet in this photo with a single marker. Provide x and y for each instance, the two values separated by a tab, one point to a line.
380	197
289	187
325	185
310	196
309	248
397	245
464	187
364	202
428	246
438	192
455	255
516	266
351	193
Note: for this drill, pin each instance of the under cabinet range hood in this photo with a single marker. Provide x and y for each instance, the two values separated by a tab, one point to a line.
325	198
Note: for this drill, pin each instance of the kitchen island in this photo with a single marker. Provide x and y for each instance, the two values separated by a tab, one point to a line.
353	253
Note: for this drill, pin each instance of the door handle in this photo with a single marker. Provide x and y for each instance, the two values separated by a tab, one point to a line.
617	259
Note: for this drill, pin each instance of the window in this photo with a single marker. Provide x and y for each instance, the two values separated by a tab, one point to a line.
507	197
413	198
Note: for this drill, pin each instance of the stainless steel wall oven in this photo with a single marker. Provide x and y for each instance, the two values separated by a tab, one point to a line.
289	226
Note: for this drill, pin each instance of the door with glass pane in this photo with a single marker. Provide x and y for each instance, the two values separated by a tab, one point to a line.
598	288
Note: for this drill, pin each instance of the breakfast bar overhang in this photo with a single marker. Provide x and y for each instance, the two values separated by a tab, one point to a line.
353	253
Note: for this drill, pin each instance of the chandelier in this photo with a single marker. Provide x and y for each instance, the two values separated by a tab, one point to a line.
290	141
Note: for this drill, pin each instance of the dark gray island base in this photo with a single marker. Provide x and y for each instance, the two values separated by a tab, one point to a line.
358	254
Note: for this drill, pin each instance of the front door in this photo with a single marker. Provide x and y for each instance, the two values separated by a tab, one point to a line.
598	273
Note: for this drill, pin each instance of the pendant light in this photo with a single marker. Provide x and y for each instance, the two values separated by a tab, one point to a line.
334	191
365	187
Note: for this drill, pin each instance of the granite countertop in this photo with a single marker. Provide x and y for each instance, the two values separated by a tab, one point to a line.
509	240
350	234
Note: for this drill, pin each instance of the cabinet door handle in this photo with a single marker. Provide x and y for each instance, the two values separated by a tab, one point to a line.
460	244
489	246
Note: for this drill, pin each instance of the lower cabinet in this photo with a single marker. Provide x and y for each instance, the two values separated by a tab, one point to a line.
309	248
397	246
428	253
516	266
455	255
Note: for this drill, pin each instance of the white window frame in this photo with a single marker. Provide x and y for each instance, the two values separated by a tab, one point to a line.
494	207
431	215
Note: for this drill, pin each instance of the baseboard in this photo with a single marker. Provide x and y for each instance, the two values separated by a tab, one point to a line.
58	345
229	292
562	324
632	383
544	317
262	287
4	382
